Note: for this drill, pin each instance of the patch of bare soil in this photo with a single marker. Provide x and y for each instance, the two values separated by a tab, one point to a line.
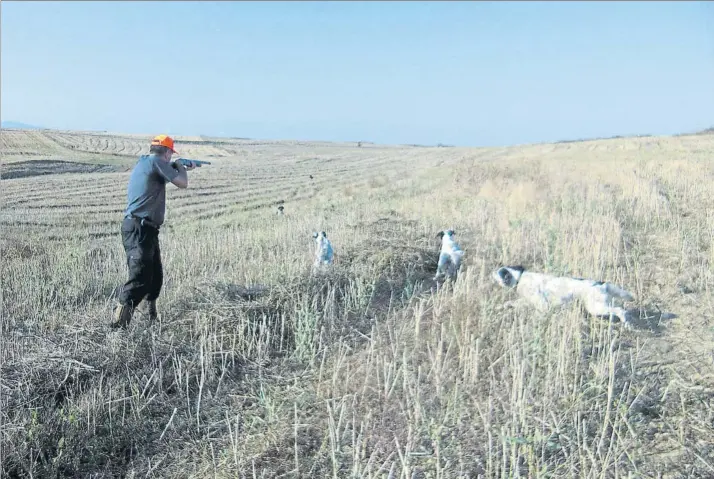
24	169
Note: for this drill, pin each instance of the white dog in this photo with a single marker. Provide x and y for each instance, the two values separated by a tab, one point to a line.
449	257
324	253
280	210
545	291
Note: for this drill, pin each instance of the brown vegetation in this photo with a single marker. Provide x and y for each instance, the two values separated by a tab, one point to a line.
257	369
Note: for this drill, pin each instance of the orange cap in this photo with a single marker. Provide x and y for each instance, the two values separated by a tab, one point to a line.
164	140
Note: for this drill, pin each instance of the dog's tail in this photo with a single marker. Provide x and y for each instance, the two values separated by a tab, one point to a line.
619	292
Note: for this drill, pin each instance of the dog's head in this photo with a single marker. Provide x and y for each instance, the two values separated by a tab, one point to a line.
450	233
318	236
280	208
508	276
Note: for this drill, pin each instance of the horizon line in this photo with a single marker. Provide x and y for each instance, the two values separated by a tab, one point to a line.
29	127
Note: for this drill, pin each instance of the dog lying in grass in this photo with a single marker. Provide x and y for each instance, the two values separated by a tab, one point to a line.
546	291
324	254
450	256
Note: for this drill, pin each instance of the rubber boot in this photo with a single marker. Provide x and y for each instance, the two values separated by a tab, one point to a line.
151	310
122	316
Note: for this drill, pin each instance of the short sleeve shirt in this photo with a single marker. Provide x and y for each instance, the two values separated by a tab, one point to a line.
146	192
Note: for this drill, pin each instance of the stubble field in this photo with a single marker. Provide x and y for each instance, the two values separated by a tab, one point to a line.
256	368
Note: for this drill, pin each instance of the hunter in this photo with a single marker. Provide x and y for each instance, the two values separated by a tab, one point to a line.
143	217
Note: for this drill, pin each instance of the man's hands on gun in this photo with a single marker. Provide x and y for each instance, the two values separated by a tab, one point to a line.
184	164
191	164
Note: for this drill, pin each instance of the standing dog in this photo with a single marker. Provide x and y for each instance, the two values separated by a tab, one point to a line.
324	253
546	291
450	256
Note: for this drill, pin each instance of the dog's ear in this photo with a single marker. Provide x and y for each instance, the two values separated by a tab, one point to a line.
440	234
324	234
314	235
505	276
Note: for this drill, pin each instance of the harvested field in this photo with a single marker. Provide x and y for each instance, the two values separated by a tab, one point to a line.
23	169
258	369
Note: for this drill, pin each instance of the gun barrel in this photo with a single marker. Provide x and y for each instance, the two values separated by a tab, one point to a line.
186	161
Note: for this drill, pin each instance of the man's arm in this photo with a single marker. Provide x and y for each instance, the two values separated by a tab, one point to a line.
181	180
172	172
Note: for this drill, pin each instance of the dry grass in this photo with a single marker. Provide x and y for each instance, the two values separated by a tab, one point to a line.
257	369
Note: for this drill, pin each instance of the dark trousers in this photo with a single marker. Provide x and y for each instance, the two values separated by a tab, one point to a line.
143	257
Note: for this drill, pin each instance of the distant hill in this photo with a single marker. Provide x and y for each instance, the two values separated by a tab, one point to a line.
17	124
708	131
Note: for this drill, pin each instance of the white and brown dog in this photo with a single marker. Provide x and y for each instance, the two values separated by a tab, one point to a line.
546	291
324	254
450	256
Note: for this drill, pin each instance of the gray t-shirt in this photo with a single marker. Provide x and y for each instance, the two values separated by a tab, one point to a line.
146	192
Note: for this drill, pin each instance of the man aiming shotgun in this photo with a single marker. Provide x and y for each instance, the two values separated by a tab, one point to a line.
144	215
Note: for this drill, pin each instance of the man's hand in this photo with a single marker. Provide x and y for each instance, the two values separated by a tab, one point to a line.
181	167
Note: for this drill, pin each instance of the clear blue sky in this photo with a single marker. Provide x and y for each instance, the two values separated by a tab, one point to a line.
462	73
